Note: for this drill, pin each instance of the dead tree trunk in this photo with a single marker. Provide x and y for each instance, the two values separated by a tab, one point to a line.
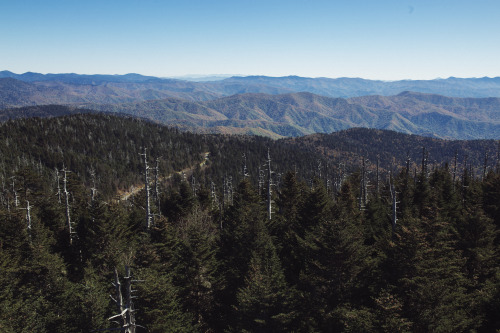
2	193
327	178
28	219
227	191
245	170
230	190
269	185
363	187
455	169
14	191
360	198
93	189
124	302
213	195
146	189
425	156
193	185
224	192
485	167
215	202
157	185
66	201
340	177
464	182
58	186
261	180
394	215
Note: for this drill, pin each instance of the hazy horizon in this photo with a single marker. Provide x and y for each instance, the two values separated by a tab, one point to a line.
192	77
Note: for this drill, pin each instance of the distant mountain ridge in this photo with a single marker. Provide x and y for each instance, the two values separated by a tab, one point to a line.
338	87
355	87
79	78
298	114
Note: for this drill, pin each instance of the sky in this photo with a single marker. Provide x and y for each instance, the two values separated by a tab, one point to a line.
371	39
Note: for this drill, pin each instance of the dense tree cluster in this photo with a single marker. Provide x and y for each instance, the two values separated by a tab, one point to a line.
328	259
109	147
394	149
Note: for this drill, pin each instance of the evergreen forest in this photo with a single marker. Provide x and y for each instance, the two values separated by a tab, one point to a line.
112	223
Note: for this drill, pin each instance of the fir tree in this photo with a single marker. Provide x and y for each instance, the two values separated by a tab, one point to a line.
263	302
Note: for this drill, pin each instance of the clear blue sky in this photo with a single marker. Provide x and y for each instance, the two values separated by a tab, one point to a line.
374	39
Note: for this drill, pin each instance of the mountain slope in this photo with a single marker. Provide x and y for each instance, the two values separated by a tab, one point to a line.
392	149
41	111
19	93
305	113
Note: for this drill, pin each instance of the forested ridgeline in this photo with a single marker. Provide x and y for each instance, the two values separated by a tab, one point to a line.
393	150
229	248
109	147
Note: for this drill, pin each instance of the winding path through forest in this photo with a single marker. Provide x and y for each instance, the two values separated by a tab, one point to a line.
134	189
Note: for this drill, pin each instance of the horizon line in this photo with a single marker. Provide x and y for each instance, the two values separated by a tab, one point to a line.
201	76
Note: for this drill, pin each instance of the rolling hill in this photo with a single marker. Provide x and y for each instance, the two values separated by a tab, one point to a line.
305	113
393	149
300	114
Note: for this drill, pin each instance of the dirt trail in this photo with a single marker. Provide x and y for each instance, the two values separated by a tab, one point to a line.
134	189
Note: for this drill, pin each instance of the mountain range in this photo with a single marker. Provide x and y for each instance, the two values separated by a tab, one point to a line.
299	114
275	107
203	90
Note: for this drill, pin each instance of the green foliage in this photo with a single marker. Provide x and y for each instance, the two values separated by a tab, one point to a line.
320	264
159	304
195	266
336	261
263	302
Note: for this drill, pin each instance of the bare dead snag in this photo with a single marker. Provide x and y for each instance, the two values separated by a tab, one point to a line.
124	302
69	223
269	185
146	189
